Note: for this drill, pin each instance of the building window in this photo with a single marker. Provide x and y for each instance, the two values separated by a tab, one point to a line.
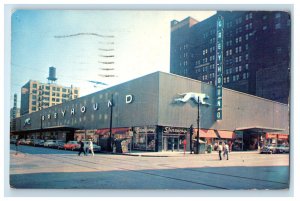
265	17
250	26
236	50
246	36
57	100
250	16
247	66
64	90
244	76
278	26
33	108
34	86
53	99
33	102
265	27
236	59
240	48
236	69
240	58
246	46
233	78
47	88
47	93
246	56
237	77
277	15
33	97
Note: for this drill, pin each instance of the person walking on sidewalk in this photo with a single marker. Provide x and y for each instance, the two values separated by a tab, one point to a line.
91	147
226	150
81	149
220	148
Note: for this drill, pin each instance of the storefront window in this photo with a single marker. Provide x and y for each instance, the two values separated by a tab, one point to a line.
144	138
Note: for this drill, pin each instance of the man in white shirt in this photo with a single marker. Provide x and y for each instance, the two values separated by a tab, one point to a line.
226	150
220	148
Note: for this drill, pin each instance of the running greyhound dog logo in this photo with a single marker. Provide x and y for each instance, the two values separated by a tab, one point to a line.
194	96
27	122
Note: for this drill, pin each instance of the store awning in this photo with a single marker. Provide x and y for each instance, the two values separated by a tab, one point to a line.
283	136
54	128
206	133
113	130
226	134
258	129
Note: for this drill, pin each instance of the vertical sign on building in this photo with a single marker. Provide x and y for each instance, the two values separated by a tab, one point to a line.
219	67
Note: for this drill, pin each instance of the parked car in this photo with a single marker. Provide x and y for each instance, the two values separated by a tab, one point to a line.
49	143
28	142
96	147
22	141
72	145
268	149
58	144
38	142
282	149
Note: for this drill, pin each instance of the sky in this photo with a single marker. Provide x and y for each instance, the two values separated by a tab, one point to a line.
75	42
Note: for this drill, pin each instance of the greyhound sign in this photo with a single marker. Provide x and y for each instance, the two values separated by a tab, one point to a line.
194	96
27	121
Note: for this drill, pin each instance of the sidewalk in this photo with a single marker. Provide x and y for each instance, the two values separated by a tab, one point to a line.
178	154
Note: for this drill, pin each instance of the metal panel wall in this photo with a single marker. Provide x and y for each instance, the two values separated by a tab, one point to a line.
142	111
239	109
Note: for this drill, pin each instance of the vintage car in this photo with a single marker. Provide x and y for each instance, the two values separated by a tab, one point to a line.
282	149
38	143
49	143
58	144
28	142
72	145
268	149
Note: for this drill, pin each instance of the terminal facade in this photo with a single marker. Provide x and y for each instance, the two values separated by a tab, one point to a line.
146	113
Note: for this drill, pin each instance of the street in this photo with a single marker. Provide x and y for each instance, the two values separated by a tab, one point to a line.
39	168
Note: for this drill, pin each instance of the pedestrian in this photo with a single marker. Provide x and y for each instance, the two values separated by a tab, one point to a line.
91	147
86	148
220	148
226	150
81	149
17	144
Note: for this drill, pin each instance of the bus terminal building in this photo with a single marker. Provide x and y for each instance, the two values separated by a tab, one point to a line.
155	113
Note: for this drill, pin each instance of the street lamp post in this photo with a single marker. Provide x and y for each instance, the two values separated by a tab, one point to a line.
191	138
198	126
110	123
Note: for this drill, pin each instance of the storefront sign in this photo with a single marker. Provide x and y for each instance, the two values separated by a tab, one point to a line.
219	69
175	130
146	129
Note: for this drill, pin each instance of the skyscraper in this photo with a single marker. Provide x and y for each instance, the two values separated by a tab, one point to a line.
256	51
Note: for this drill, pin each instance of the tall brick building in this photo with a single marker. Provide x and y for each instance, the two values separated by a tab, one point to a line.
256	51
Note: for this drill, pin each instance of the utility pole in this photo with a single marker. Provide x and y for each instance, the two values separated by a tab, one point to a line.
198	126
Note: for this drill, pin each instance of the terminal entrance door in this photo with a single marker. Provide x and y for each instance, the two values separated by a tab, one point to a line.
171	143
